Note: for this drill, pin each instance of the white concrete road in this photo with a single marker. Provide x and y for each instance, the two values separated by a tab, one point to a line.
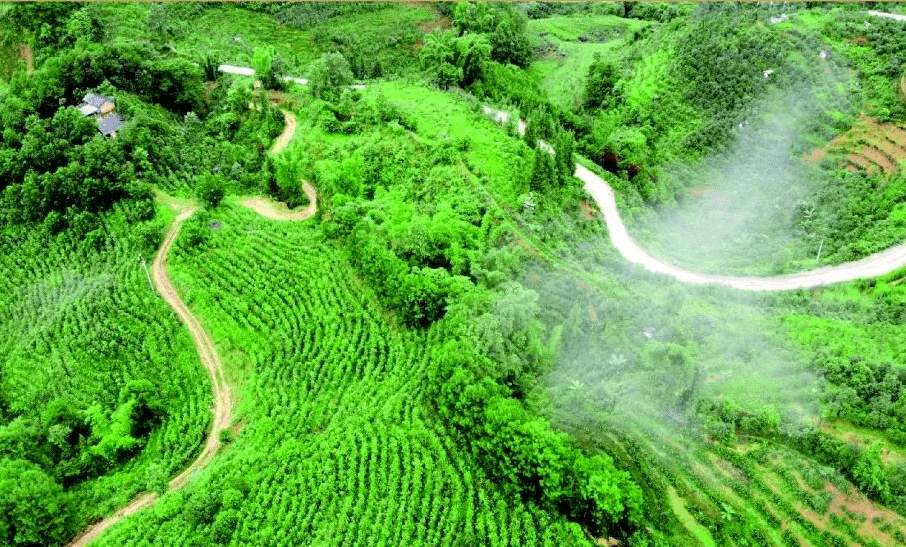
871	266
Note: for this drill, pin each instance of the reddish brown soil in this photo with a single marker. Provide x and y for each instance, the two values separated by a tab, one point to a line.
815	156
878	159
587	211
859	161
870	144
889	149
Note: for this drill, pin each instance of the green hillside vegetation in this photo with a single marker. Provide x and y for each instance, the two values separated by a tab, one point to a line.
102	395
451	351
339	439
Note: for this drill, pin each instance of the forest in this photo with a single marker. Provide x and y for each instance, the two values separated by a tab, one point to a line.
448	346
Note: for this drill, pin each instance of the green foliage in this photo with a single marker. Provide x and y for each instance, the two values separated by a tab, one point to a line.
719	61
504	25
289	171
64	168
328	74
868	474
46	23
36	511
600	84
210	189
268	67
455	61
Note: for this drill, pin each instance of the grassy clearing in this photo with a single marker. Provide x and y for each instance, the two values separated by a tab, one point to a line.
442	117
650	76
562	75
563	79
570	28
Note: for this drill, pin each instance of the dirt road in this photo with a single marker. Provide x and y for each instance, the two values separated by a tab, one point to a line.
288	131
207	352
276	210
871	266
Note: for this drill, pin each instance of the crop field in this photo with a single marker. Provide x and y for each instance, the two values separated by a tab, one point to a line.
334	443
79	326
388	317
871	145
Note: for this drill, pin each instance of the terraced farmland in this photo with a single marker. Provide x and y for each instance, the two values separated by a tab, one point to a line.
870	145
334	445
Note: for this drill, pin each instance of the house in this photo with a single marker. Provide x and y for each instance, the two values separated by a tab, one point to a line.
108	124
103	110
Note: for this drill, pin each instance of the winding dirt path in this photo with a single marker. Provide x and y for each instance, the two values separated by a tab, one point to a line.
871	266
289	130
277	210
210	358
205	347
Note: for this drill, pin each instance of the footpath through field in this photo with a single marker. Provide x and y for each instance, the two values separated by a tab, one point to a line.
210	359
207	351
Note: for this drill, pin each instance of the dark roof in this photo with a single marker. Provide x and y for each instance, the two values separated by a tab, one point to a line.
96	100
108	124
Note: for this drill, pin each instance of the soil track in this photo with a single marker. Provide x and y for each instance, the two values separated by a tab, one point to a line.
276	210
26	54
288	131
210	358
205	347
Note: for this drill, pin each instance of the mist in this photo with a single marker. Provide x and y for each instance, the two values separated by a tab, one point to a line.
738	212
640	362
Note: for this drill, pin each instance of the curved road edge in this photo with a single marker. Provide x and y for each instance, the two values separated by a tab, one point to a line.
277	210
210	359
874	265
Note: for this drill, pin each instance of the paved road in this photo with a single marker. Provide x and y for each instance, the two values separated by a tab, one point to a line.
871	266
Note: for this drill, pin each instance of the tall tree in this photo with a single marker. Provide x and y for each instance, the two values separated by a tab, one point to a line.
35	509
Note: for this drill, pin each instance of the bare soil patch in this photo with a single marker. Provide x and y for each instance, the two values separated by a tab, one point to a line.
859	161
882	145
288	132
279	211
878	158
26	54
587	211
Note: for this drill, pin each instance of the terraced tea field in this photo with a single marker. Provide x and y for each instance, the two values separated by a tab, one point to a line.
79	326
335	446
